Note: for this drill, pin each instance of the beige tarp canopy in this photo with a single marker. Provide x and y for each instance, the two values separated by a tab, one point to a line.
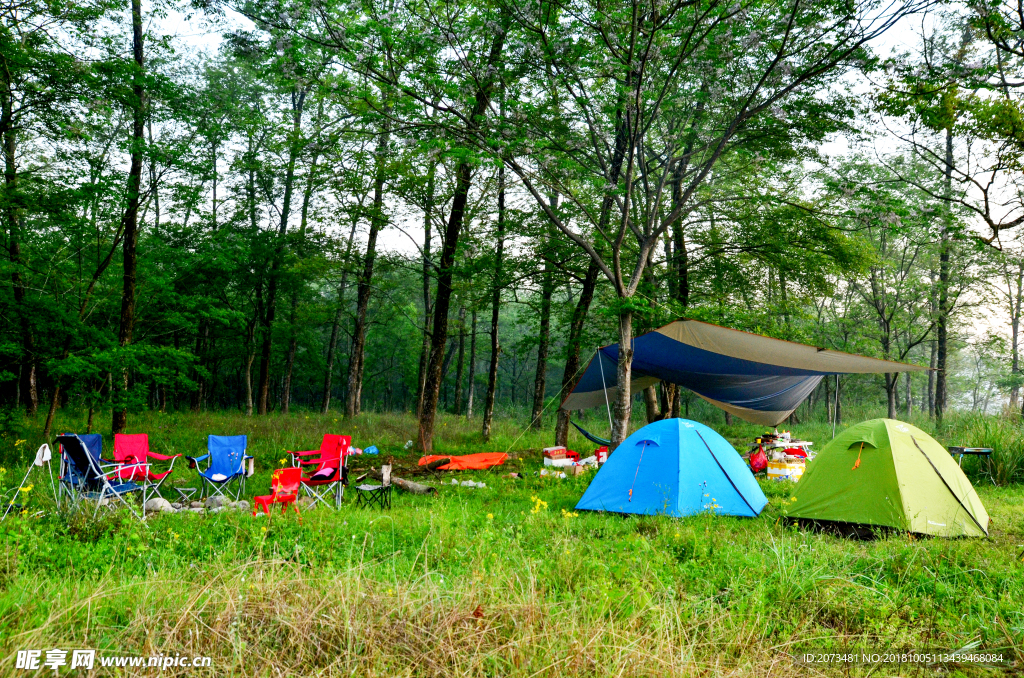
757	378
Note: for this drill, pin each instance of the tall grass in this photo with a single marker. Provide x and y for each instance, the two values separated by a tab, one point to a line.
1005	435
490	582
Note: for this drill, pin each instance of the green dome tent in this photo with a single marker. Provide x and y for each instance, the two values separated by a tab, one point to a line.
887	473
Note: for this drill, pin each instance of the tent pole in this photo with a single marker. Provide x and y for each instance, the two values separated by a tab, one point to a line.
607	406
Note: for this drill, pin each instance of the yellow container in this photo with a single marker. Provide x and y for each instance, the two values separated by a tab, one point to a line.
781	470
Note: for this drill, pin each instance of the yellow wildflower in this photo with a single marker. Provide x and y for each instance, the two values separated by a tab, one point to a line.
538	504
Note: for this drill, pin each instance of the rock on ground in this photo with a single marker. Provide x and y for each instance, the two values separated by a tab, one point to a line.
159	504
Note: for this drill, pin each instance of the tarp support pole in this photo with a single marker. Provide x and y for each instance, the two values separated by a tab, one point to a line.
607	406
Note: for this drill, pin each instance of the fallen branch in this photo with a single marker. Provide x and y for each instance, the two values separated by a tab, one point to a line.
437	463
406	485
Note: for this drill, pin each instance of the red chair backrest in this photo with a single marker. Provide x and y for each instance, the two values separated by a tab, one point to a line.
332	451
131	448
286	481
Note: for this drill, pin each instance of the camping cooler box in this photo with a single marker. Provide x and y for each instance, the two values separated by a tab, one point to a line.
781	470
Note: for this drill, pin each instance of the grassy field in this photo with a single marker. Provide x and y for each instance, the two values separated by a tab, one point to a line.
502	581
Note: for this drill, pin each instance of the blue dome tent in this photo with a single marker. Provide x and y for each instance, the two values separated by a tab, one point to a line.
675	467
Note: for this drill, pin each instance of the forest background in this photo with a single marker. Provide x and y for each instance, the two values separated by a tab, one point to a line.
423	206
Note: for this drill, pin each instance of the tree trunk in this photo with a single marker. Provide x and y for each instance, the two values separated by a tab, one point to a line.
332	347
293	344
131	215
463	177
248	383
492	372
839	403
651	404
540	380
669	400
442	303
472	366
1015	289
276	261
572	371
941	334
428	212
27	377
891	383
728	418
931	379
461	364
909	395
363	288
624	375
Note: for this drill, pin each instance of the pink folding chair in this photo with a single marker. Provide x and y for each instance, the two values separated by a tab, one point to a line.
131	450
328	470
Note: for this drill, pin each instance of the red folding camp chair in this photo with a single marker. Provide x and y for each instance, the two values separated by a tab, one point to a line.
284	485
131	450
329	469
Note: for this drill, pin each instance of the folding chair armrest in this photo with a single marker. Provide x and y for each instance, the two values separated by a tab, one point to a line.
116	474
193	462
164	457
105	464
309	462
304	454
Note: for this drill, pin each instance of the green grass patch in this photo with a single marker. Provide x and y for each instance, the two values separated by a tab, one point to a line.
502	581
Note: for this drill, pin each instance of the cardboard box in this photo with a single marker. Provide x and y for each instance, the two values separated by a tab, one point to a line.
781	470
558	452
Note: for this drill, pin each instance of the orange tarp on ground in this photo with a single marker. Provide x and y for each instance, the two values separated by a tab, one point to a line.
467	462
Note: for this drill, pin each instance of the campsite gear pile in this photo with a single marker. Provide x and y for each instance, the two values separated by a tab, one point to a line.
559	456
890	474
675	467
781	456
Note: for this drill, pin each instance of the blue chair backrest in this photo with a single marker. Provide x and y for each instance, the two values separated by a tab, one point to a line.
75	449
226	454
94	443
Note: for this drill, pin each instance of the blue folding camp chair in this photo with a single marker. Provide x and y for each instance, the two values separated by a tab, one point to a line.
86	476
226	463
70	477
